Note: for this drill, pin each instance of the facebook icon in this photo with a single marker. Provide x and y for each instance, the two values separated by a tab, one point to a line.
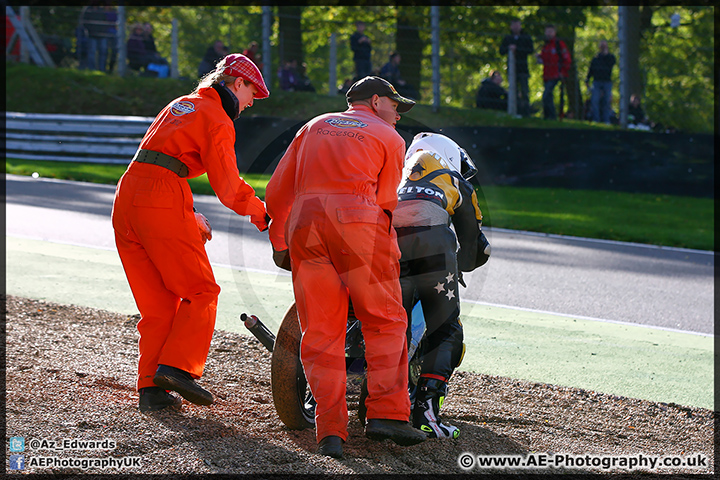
17	462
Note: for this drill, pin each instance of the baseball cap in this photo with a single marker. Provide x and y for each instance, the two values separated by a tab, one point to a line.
369	86
238	65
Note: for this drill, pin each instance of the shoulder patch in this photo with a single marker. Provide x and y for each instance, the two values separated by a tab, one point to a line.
345	123
181	108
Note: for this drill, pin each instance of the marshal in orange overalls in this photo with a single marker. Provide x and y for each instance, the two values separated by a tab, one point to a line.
157	236
330	200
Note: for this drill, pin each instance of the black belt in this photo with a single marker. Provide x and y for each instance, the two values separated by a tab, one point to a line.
158	158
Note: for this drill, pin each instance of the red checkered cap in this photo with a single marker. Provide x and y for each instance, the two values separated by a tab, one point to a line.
238	65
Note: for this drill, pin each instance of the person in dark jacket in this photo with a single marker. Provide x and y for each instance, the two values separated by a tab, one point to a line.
435	193
157	63
362	51
601	71
214	53
522	45
136	54
391	72
491	94
96	25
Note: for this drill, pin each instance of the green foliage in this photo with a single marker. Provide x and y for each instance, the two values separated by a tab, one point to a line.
677	64
87	92
199	27
679	67
93	93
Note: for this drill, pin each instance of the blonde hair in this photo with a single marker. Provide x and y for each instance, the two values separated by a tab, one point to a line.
214	77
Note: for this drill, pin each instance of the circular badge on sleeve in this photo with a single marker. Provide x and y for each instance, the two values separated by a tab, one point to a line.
181	108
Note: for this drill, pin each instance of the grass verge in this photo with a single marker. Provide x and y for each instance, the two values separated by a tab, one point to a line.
666	220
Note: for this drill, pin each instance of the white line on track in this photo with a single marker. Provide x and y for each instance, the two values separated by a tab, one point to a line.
594	319
599	240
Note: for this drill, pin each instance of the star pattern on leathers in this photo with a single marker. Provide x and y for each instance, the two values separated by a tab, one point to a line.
440	287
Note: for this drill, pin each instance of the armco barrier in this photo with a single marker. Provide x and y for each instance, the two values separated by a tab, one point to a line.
75	138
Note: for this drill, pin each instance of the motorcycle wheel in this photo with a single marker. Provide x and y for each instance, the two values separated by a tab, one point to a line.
293	400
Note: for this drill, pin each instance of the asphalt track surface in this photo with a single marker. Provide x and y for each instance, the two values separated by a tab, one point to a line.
538	292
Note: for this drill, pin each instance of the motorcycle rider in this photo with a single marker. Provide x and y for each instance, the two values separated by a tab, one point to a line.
434	194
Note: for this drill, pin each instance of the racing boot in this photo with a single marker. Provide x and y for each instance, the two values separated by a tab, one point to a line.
426	411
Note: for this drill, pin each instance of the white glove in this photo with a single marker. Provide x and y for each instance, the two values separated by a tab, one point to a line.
203	226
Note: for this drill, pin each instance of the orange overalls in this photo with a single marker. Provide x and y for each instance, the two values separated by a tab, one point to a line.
330	200
157	236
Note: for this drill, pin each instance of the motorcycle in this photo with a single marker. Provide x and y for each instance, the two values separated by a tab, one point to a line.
293	400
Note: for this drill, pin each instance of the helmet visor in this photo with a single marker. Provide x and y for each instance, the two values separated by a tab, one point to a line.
467	167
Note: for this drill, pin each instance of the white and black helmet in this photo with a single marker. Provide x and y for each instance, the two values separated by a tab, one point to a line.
452	155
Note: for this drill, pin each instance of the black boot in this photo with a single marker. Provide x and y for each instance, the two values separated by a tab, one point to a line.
180	381
331	446
155	398
426	412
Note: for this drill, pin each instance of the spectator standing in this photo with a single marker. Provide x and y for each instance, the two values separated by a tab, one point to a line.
81	45
289	76
601	72
252	53
391	72
111	18
94	24
521	43
214	53
491	94
362	51
331	200
555	58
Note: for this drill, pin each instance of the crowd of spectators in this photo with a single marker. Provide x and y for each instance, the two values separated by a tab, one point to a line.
556	60
97	39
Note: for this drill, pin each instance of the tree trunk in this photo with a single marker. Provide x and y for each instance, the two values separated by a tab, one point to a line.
573	95
636	83
290	34
409	46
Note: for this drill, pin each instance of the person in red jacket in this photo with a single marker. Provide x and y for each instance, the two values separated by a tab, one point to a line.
556	60
160	239
331	200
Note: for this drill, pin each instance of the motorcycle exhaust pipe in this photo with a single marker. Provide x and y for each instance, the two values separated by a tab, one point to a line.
259	329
